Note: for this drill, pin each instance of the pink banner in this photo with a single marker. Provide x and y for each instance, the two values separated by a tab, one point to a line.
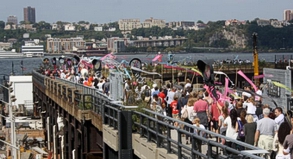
108	56
262	76
247	79
158	57
226	87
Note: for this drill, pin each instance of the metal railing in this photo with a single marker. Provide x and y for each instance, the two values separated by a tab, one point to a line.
157	128
153	126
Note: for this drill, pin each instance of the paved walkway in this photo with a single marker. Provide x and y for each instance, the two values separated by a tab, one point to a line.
174	136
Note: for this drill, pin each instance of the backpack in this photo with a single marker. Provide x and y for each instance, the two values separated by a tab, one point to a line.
184	115
241	130
147	93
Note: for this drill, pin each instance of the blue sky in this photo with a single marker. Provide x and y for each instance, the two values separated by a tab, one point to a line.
104	11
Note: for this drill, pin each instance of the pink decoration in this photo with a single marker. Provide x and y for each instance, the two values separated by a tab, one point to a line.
226	87
247	79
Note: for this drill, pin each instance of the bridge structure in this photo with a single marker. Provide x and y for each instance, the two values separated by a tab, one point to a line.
94	126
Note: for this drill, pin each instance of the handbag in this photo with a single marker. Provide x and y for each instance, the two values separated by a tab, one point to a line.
147	99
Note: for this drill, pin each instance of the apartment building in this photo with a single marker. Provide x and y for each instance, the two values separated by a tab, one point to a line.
288	15
126	25
12	20
29	15
148	23
58	45
116	44
173	24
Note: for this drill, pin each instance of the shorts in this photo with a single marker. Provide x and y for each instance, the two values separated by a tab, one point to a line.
215	125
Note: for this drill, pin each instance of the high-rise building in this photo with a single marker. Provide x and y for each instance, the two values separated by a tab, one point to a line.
29	14
288	15
12	19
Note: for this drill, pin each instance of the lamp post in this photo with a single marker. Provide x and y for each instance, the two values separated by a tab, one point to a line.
11	99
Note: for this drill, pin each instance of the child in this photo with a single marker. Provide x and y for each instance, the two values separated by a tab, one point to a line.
196	123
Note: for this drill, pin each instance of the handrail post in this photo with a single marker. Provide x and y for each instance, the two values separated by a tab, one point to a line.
148	131
168	140
179	143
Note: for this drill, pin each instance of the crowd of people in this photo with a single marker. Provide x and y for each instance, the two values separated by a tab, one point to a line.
242	118
102	84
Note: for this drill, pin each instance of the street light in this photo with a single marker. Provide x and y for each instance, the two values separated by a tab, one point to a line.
11	99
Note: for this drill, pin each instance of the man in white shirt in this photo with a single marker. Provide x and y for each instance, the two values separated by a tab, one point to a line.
279	116
170	97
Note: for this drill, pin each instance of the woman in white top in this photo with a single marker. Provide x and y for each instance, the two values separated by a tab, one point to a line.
222	117
279	139
251	108
232	126
196	123
191	115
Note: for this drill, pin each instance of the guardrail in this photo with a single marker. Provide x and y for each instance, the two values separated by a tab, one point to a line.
155	127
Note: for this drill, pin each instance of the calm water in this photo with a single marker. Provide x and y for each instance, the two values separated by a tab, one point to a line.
33	63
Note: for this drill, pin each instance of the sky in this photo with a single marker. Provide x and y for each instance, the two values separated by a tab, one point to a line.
105	11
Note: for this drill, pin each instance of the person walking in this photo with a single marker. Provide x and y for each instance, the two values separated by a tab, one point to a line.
232	126
196	122
249	130
279	139
265	131
288	142
280	118
190	116
201	108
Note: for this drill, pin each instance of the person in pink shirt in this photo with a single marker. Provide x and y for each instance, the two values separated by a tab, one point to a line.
201	108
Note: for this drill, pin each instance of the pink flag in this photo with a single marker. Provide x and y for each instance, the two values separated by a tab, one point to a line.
226	87
247	79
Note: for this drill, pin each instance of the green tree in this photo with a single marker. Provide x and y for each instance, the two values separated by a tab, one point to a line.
2	24
200	22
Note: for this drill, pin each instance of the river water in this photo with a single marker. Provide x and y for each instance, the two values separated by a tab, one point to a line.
33	63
